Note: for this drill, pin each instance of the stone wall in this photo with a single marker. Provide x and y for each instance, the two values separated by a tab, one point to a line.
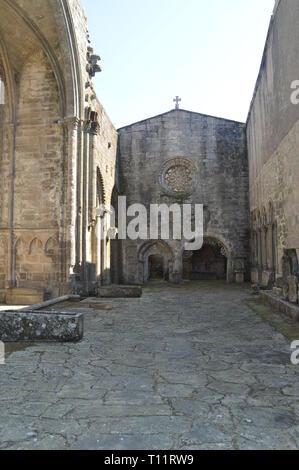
215	151
57	151
272	134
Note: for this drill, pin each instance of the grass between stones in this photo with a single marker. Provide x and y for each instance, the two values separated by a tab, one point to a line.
289	328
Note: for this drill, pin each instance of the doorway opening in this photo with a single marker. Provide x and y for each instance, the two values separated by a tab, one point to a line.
208	264
156	267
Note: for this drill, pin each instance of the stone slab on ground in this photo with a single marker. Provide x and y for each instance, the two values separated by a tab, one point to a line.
16	326
119	292
18	296
289	309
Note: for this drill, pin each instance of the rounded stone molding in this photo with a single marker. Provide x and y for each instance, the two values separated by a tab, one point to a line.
179	176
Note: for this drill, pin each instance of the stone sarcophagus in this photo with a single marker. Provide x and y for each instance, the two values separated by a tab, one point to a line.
32	326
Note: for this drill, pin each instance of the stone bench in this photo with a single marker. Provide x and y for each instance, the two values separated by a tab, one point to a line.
17	326
120	292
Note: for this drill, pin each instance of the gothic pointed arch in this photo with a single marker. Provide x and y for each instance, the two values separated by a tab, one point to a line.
36	247
51	247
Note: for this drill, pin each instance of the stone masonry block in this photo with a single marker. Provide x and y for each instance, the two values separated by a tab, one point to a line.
119	292
40	326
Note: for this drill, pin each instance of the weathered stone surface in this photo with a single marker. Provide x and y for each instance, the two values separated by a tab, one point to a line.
40	326
190	366
23	297
187	157
50	303
255	289
239	277
278	291
293	289
267	279
56	107
2	296
255	278
281	305
273	145
120	291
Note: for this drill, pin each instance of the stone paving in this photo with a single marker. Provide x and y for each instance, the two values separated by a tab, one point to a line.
187	367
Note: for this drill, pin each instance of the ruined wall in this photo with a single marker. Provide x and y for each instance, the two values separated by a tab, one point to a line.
38	180
99	176
55	138
272	134
215	151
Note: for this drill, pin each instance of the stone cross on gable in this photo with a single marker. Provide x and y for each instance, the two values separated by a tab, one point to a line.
177	101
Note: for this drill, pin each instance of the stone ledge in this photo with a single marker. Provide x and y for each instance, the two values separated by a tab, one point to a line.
282	306
41	326
49	303
120	292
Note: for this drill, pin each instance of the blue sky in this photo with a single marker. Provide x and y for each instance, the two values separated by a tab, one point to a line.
206	51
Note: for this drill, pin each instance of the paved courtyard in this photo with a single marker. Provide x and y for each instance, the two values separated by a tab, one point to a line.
190	367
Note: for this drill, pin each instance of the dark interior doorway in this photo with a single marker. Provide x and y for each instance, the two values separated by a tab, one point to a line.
156	267
207	264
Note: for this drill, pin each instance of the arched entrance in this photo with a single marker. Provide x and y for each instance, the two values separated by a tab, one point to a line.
208	264
155	261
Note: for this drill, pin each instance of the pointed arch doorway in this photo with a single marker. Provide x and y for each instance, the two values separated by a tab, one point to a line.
155	261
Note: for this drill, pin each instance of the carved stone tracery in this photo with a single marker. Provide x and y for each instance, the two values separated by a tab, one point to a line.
179	176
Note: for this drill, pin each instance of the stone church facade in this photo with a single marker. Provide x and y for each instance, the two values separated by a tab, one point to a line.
213	151
63	165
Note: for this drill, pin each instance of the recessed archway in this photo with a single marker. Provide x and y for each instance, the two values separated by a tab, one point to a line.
156	261
210	263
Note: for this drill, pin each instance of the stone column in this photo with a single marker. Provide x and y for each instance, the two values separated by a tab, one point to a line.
92	175
79	252
11	134
270	248
85	199
68	246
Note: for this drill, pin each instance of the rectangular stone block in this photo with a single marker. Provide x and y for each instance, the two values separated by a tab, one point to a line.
278	291
293	289
18	296
41	326
267	279
118	292
240	278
